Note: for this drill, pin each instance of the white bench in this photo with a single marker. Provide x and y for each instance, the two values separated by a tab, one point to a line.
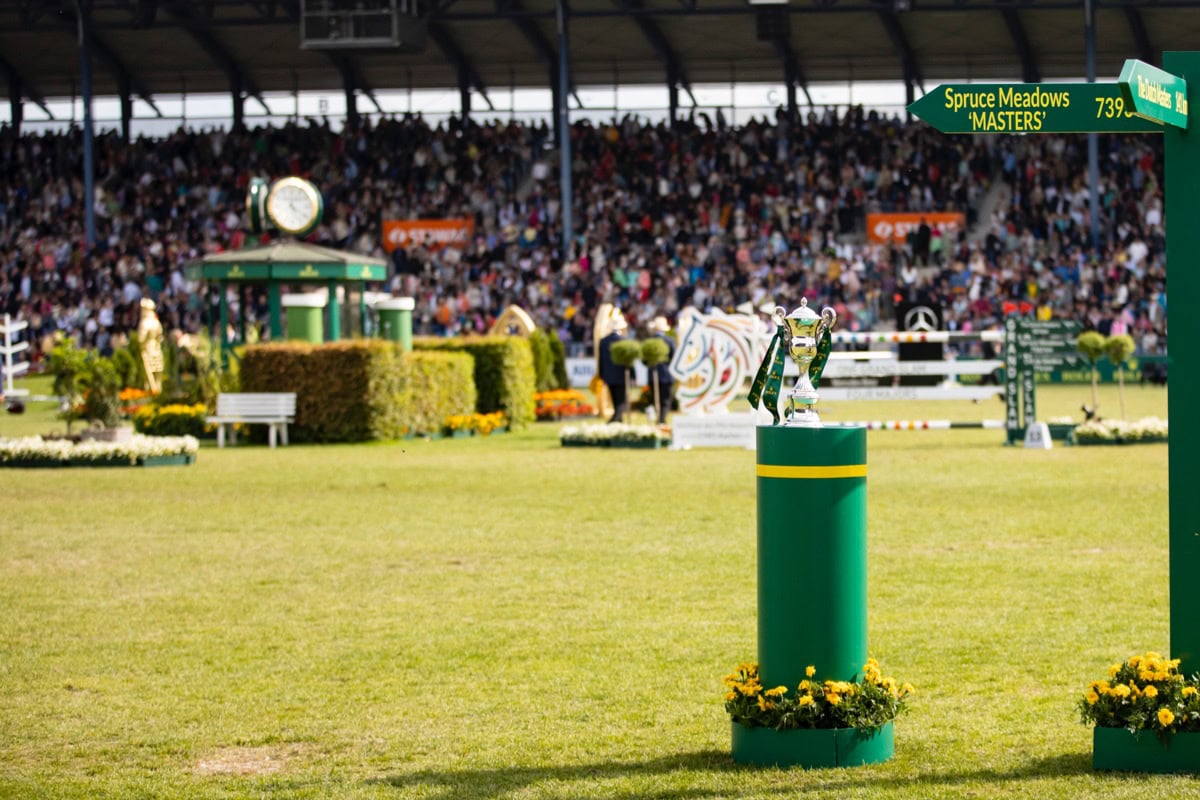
273	409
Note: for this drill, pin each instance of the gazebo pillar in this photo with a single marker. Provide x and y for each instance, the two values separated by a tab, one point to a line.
223	321
335	313
275	306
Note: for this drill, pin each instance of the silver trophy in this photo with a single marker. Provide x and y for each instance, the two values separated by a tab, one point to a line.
806	329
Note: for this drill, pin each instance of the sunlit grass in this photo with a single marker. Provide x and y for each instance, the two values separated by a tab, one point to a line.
502	617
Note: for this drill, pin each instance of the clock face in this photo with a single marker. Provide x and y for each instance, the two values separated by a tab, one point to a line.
294	205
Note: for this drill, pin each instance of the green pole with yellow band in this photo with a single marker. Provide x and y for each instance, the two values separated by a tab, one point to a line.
812	587
812	552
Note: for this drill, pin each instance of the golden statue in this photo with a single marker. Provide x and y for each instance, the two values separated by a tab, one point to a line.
150	334
515	321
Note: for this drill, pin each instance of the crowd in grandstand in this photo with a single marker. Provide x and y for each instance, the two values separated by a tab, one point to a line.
701	214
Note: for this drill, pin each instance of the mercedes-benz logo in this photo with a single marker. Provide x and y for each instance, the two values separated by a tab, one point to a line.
921	318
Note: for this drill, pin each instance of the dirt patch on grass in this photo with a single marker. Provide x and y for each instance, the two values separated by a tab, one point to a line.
265	759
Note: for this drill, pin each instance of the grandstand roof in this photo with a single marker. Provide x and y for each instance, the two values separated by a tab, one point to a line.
155	47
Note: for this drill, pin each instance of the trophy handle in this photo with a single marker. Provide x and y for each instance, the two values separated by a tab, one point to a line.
829	317
778	314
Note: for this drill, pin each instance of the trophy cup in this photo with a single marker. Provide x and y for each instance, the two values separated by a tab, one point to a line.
808	332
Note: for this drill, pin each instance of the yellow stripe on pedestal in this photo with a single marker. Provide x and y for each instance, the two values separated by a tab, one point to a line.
841	471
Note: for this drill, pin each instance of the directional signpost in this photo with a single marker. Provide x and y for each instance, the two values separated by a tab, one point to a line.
1032	346
1030	108
1154	95
1147	100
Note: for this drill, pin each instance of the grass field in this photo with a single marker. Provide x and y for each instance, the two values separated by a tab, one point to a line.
505	618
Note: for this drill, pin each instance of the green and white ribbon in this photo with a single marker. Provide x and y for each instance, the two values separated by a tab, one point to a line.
770	375
824	345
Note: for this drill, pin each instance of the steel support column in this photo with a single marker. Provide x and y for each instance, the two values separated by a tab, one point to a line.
1089	33
564	146
89	145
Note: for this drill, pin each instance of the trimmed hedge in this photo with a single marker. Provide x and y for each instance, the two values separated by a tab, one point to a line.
363	389
504	372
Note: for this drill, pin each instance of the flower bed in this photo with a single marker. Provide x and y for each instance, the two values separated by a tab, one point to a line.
562	404
613	435
1144	431
138	450
460	425
870	702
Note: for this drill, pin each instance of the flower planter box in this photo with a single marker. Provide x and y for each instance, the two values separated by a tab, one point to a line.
101	462
1144	440
1062	432
1118	749
35	463
178	460
642	444
812	748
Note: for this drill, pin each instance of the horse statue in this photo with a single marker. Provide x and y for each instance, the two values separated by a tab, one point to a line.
716	356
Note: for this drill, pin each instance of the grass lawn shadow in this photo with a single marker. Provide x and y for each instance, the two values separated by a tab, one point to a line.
497	782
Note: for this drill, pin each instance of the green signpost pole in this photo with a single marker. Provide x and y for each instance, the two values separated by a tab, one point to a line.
1146	100
1182	155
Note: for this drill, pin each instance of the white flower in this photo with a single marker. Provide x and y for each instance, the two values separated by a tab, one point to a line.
1149	428
618	432
137	447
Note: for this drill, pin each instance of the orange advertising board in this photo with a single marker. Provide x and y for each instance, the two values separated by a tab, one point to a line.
438	233
896	226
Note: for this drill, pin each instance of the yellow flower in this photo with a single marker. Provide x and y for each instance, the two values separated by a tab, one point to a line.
806	700
776	692
763	705
1121	690
1113	670
834	698
907	688
731	695
1189	691
1150	691
1092	698
810	670
1165	717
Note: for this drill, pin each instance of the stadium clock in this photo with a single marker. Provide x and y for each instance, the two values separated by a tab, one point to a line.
294	205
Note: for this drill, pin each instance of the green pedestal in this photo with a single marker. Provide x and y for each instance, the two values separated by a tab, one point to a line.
842	747
395	320
304	323
1118	749
812	586
812	553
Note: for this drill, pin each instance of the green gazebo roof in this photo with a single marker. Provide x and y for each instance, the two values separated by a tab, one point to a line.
288	261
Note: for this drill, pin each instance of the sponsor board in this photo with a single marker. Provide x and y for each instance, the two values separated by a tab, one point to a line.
435	233
895	227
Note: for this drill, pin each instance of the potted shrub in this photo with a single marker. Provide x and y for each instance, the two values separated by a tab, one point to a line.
1091	345
654	352
1119	348
624	354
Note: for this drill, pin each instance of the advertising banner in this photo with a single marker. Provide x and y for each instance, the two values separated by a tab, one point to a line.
438	233
896	226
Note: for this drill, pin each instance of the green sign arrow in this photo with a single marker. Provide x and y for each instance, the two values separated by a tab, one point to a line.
1153	94
1030	108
